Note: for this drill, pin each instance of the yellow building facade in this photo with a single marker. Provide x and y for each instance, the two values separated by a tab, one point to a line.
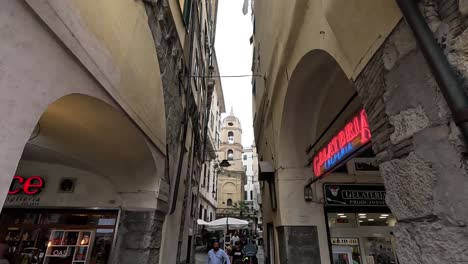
231	179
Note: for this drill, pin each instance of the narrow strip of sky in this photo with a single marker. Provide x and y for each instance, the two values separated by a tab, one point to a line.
234	53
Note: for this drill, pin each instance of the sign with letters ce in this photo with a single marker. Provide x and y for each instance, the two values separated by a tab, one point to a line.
354	195
29	186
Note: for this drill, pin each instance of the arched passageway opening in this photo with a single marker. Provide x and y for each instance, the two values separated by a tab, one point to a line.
320	102
84	162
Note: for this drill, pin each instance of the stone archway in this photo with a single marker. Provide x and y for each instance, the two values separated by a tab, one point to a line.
317	92
87	134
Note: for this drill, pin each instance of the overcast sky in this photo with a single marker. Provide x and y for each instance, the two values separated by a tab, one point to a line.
234	54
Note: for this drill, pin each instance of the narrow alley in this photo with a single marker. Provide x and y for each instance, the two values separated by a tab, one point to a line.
233	131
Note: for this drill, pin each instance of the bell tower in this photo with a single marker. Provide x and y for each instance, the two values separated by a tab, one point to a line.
230	148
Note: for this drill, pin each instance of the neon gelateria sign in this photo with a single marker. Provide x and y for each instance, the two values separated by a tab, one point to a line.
354	135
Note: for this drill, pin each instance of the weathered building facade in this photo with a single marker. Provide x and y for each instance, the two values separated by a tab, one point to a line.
105	109
330	60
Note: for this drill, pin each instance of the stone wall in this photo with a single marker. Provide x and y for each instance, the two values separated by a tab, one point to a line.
415	139
300	244
138	237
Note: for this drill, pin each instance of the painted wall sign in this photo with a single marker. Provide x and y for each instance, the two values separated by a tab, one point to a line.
354	195
354	135
30	186
22	200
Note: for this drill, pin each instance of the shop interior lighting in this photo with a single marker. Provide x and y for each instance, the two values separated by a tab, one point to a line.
340	214
343	216
362	214
386	215
360	221
382	217
370	220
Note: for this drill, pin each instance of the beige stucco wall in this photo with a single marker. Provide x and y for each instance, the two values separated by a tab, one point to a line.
113	41
91	190
285	31
41	70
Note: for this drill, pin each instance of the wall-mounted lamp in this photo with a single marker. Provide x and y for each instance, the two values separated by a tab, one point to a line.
308	195
225	164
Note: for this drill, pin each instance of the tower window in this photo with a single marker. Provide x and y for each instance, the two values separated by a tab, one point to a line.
230	124
229	202
230	155
230	137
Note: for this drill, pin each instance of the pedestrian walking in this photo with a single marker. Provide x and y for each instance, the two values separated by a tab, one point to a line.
250	252
217	255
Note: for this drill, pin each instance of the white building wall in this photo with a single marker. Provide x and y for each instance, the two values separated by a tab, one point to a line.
250	164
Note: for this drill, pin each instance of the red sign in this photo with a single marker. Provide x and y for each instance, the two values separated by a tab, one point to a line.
30	186
352	137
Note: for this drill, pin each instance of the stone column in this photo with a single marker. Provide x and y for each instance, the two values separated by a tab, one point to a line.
138	237
419	146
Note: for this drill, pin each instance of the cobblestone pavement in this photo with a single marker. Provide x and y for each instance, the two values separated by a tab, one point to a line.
201	256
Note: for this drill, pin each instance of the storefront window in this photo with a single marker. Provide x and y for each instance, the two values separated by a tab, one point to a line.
61	236
362	237
352	220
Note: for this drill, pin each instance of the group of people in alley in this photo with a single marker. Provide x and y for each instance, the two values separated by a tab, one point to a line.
238	252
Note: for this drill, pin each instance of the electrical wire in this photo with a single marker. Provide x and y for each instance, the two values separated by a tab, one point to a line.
224	76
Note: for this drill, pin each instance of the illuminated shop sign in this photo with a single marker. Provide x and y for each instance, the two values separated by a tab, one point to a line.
30	186
354	135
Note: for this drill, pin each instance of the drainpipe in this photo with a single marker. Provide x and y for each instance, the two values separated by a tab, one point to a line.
449	84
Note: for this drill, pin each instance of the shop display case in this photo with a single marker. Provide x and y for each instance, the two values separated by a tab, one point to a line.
69	246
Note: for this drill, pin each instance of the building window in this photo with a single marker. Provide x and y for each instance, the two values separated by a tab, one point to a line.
209	179
196	71
230	155
193	208
212	122
200	213
211	216
245	157
246	196
229	202
245	167
230	137
204	175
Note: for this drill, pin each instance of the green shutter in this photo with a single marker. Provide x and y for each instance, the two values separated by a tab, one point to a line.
187	9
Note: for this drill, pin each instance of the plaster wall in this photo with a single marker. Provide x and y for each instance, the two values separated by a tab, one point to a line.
91	190
301	26
29	49
114	43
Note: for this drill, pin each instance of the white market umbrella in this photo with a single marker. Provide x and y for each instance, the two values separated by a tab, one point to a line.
201	222
227	222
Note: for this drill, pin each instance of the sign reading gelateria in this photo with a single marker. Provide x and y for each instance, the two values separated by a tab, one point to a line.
354	135
354	195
